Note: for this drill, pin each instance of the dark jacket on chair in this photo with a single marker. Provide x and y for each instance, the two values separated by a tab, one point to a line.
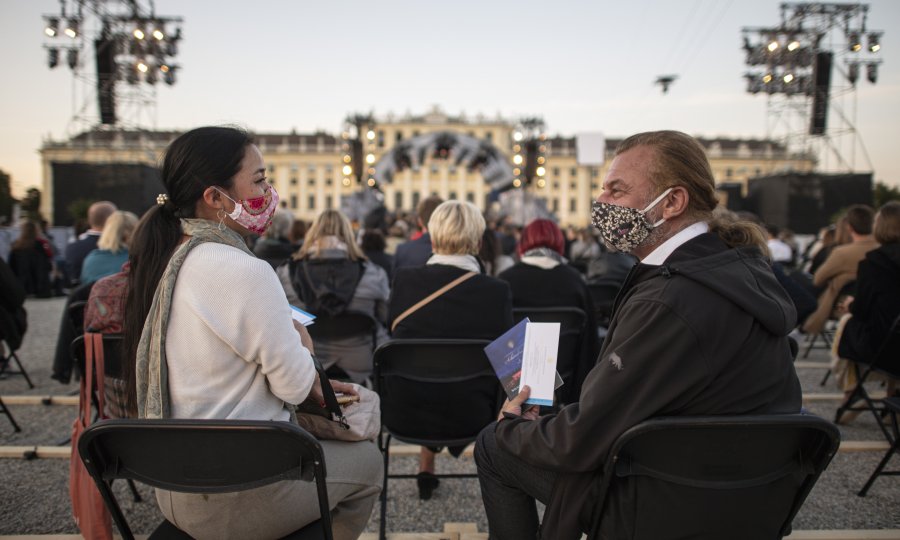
560	286
13	319
876	305
413	253
703	334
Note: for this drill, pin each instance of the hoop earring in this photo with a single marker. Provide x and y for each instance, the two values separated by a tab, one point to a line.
221	215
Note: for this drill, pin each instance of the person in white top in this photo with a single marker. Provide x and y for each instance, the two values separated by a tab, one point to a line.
211	335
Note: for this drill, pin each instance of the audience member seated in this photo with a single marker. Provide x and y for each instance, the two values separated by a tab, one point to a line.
610	266
491	254
821	248
877	302
104	313
31	260
779	251
330	275
112	248
212	337
584	249
701	329
416	252
77	250
480	307
274	247
542	278
373	245
839	269
13	318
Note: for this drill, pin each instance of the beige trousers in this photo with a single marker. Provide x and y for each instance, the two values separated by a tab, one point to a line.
354	474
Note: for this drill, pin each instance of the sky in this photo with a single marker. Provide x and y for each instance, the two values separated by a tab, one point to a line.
278	65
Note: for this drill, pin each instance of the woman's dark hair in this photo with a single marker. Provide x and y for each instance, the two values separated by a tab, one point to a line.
373	241
195	161
28	234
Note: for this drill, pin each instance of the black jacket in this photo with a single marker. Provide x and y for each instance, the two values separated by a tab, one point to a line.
560	286
703	334
876	305
13	318
413	253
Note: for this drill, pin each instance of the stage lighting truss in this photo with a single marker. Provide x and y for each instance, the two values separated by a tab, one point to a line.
782	58
145	44
529	153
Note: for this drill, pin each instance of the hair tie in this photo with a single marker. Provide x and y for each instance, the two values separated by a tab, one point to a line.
162	199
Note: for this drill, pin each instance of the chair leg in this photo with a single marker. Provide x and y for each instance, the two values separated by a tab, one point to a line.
134	491
385	449
21	371
810	341
825	378
5	410
895	448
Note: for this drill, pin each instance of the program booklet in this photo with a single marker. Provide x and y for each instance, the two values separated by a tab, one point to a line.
302	317
527	352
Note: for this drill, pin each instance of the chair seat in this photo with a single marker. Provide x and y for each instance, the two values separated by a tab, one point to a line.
167	531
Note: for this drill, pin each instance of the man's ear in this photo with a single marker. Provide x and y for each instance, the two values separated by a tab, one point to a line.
675	203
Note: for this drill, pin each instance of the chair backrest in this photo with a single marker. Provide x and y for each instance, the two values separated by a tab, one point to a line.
201	456
714	477
603	293
887	360
571	339
436	392
75	312
347	324
112	354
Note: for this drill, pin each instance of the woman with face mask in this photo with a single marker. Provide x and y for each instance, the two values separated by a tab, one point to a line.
210	334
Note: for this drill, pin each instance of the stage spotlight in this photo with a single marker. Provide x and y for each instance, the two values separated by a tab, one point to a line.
874	42
793	45
72	28
52	27
169	75
517	159
788	78
854	44
138	33
158	33
767	78
371	182
370	135
853	72
872	72
347	159
72	58
345	182
370	158
142	66
53	57
518	136
517	183
540	171
772	46
347	170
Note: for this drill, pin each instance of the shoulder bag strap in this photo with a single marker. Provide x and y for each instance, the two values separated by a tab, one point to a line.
415	307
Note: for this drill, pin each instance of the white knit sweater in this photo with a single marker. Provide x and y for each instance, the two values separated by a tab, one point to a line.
231	347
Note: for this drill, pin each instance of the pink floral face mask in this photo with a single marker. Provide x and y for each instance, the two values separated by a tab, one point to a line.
254	214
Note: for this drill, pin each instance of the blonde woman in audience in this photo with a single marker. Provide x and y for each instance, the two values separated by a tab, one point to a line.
112	247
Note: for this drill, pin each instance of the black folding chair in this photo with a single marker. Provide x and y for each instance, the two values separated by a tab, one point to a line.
571	338
5	410
736	477
203	456
8	358
892	406
112	367
886	362
603	293
348	324
434	392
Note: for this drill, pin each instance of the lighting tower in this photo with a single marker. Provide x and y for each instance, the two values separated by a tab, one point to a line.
358	149
131	44
529	149
792	64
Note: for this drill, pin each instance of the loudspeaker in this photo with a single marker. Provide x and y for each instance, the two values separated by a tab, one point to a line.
132	186
105	53
822	76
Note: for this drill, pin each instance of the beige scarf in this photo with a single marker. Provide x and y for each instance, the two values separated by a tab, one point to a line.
151	370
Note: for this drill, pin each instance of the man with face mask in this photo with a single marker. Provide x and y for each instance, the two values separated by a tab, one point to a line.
699	328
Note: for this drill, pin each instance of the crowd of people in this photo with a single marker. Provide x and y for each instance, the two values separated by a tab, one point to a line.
201	288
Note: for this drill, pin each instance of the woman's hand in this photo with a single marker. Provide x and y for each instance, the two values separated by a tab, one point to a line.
344	388
305	338
515	406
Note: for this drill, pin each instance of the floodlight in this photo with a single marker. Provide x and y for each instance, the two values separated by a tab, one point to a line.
52	27
72	28
517	159
874	42
347	170
854	44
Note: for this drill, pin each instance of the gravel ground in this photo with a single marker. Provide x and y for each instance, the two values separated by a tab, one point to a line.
34	494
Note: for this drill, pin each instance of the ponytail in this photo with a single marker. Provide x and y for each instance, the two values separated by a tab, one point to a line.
736	232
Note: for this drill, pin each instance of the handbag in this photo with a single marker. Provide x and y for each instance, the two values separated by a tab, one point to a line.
88	508
353	422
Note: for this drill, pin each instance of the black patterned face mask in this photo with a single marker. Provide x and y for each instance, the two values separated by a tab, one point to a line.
623	228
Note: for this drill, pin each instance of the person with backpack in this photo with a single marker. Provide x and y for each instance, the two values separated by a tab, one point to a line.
330	275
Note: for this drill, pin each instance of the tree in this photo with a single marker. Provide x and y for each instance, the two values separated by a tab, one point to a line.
883	193
7	201
31	205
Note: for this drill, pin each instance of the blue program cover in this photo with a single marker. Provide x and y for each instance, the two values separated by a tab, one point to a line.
505	355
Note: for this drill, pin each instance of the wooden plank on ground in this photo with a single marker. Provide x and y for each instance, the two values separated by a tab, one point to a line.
836	396
460	528
405	536
863	446
800	364
846	534
40	400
